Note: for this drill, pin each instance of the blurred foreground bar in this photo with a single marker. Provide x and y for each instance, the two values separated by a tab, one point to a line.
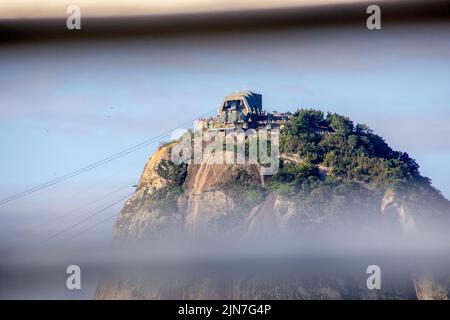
177	25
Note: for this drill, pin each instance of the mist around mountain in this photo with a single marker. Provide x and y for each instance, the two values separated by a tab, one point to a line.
338	185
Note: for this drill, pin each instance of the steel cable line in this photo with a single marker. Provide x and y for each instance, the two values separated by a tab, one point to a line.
93	226
87	218
104	196
82	170
86	213
68	213
95	164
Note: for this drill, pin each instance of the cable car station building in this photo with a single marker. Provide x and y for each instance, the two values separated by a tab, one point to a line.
243	110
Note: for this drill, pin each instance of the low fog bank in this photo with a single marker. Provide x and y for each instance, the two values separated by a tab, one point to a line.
40	271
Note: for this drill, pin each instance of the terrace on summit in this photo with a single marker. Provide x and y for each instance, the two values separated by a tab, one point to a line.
244	110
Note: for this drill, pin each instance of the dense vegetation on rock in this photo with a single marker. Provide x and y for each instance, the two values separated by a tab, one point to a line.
165	199
350	152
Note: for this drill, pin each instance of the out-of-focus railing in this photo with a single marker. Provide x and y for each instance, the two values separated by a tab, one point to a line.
219	22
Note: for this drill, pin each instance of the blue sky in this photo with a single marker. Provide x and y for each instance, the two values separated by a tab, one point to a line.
63	107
